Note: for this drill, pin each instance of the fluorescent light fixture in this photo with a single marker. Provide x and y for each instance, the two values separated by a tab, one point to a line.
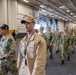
71	13
62	6
68	11
43	10
59	17
49	9
74	15
26	1
56	15
42	6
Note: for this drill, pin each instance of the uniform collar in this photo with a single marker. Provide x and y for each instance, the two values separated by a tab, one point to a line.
30	37
5	36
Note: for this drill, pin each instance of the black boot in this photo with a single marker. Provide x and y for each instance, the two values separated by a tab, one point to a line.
62	62
72	52
57	51
50	57
68	58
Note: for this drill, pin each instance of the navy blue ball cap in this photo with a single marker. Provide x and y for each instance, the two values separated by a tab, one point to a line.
23	21
4	27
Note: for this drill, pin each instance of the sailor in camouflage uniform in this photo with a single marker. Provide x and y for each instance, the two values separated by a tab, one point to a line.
7	52
71	35
57	39
74	40
42	34
65	42
49	40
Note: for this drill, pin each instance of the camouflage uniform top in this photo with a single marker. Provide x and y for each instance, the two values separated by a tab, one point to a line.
74	40
65	39
43	35
57	35
75	34
7	48
75	31
49	37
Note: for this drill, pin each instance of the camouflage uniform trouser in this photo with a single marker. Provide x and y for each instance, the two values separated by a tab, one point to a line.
6	67
64	50
50	48
57	44
74	44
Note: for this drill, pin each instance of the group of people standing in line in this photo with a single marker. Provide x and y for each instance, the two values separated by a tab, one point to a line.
33	49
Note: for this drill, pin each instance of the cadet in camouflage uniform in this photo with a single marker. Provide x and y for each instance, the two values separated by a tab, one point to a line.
7	52
42	34
71	35
65	41
74	40
49	40
57	39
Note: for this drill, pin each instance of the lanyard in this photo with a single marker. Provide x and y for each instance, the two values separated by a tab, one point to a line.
26	45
